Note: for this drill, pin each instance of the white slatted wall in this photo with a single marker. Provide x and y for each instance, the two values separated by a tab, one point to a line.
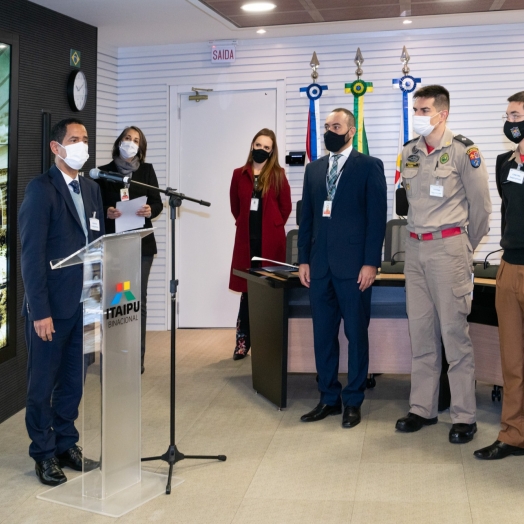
106	103
481	66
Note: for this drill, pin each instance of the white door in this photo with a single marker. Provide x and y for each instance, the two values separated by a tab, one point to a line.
215	136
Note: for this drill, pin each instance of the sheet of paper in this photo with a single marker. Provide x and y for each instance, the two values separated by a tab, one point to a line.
129	220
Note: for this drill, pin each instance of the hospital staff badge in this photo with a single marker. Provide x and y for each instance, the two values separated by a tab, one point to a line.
474	156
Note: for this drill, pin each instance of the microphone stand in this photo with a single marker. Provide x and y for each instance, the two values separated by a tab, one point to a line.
172	455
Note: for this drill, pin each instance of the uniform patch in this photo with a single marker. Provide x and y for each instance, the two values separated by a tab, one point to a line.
444	158
412	164
474	156
413	158
415	149
515	132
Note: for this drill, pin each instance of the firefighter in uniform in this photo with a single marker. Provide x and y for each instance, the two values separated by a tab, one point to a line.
446	183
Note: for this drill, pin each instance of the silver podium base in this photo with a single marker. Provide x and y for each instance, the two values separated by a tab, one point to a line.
70	494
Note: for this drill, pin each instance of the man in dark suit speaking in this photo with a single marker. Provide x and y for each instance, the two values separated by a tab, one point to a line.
342	228
60	214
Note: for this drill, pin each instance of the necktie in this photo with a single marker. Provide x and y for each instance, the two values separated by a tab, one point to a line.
333	177
76	186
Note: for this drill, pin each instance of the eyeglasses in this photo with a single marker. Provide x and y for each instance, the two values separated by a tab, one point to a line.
513	118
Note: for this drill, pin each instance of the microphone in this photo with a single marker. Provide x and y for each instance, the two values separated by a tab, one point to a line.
108	175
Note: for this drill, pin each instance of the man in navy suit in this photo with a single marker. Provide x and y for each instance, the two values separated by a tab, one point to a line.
342	228
60	214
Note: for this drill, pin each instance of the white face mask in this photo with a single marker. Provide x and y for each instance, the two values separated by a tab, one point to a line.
128	149
77	155
422	125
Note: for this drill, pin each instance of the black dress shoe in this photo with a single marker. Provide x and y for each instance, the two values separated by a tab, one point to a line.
498	450
72	458
351	417
412	423
320	412
49	472
462	433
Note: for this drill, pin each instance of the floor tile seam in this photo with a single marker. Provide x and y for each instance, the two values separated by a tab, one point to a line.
270	441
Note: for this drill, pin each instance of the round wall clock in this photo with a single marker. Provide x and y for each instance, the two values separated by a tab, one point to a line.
77	90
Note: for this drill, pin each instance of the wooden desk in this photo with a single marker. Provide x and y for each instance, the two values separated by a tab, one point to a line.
282	334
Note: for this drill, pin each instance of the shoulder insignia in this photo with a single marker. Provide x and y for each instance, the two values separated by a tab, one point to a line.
412	140
474	156
463	140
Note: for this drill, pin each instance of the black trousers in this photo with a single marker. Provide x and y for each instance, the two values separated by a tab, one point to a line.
147	262
243	337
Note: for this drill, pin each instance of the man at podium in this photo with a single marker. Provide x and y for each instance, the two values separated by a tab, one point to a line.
60	214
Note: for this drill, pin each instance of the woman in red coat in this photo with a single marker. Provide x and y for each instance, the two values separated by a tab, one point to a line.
261	204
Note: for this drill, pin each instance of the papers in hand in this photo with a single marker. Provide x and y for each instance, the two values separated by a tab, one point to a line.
129	219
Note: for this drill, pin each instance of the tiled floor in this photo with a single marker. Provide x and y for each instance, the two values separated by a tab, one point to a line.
278	469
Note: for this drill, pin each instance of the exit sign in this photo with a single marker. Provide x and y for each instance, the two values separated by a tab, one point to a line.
221	54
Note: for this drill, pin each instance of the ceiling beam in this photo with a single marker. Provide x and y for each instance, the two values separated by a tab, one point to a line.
405	7
496	5
314	13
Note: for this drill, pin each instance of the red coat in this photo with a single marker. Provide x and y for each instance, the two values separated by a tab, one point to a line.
275	212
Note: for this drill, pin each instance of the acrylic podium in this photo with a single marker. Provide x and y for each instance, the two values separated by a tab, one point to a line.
109	419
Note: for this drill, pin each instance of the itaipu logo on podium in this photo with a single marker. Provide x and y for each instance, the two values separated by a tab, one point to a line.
124	307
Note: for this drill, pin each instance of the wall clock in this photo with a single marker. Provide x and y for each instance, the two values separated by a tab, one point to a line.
77	90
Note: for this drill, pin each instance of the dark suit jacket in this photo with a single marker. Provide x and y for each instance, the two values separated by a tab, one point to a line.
354	234
111	195
50	228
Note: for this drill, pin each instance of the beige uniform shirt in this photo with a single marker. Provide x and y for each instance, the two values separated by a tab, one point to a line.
462	200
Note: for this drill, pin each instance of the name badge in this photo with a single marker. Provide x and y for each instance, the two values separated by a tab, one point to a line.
124	194
94	224
516	176
326	210
254	204
436	191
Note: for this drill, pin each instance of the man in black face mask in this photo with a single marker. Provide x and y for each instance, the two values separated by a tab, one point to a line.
509	298
342	228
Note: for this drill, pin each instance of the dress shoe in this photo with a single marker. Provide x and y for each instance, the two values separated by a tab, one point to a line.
498	450
320	412
412	423
462	433
351	417
72	458
49	472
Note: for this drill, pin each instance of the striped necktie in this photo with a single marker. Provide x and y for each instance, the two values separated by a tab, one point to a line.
333	177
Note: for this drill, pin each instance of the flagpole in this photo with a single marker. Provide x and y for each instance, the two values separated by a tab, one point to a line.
407	84
313	91
358	89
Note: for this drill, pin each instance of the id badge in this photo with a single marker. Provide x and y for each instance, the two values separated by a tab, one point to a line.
94	224
516	176
436	191
124	194
326	211
254	204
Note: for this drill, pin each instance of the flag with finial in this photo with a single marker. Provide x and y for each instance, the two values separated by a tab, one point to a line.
358	89
407	84
313	92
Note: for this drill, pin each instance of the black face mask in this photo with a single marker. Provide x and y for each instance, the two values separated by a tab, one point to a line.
514	131
334	142
260	155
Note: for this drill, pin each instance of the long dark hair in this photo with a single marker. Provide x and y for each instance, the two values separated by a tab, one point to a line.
142	147
271	174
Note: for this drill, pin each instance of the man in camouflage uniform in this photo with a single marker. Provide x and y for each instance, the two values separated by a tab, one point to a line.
446	183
